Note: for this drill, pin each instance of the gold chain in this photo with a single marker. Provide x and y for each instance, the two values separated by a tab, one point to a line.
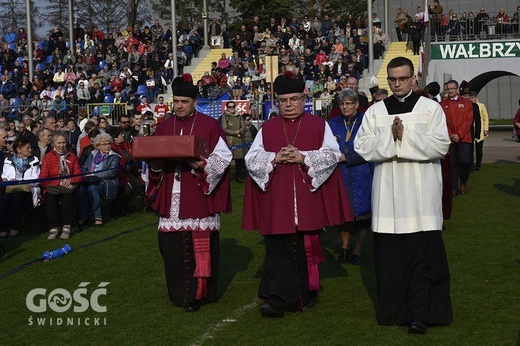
177	175
296	135
192	124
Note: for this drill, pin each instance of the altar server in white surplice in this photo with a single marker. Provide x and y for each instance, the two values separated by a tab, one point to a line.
406	136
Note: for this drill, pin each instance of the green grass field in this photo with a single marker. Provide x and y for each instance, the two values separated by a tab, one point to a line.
481	241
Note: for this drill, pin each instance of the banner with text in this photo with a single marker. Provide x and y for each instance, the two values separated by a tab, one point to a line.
475	50
241	106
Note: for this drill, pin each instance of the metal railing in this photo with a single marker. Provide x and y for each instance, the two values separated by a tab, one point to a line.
111	111
261	111
466	26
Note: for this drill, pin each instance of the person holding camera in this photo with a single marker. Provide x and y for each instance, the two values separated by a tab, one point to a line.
129	184
234	128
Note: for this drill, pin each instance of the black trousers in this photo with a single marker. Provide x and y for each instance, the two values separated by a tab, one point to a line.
413	279
285	275
240	169
416	46
479	152
128	192
461	155
12	209
52	206
179	265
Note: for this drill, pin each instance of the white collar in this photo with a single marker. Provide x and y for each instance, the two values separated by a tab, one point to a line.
403	99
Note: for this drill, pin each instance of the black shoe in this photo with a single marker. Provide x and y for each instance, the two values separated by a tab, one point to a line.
343	256
308	306
417	327
269	311
355	260
191	307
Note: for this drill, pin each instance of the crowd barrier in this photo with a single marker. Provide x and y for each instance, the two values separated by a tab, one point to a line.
109	110
215	108
258	110
481	26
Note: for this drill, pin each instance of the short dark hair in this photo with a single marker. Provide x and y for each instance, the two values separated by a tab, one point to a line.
89	126
400	61
93	133
114	131
19	142
453	81
123	116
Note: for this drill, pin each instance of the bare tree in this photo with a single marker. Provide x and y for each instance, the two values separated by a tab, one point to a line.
56	14
188	11
138	12
13	14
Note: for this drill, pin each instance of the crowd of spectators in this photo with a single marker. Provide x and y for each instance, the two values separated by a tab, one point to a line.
469	25
328	55
67	77
322	52
64	148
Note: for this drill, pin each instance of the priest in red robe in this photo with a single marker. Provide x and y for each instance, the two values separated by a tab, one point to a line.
189	196
293	191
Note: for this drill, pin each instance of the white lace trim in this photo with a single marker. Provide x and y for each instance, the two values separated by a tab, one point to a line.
215	168
174	224
321	165
260	166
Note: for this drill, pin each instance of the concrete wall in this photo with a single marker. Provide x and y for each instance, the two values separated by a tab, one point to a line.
501	97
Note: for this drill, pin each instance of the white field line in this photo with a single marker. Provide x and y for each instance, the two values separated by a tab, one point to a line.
213	329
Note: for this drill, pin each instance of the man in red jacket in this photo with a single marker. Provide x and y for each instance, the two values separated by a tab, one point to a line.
459	118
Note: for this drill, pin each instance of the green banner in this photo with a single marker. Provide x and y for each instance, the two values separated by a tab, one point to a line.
476	50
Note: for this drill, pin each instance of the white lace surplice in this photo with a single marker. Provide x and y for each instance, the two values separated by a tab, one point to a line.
321	163
215	169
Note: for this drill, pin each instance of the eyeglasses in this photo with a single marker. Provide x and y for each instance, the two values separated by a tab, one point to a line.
393	80
125	122
347	104
105	144
231	107
247	119
293	99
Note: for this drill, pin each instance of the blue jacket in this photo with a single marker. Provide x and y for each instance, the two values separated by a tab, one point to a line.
357	173
6	88
110	167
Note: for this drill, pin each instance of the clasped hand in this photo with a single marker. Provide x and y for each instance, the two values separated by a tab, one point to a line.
66	184
397	128
289	155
